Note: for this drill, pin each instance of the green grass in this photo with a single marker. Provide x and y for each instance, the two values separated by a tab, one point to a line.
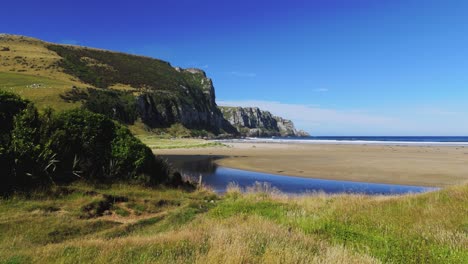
156	142
43	91
166	225
401	230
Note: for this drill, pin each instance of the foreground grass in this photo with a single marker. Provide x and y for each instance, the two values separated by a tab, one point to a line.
127	224
155	142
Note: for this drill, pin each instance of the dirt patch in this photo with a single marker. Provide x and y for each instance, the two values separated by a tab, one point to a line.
97	208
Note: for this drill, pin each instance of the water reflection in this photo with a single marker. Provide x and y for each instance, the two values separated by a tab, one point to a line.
193	165
218	178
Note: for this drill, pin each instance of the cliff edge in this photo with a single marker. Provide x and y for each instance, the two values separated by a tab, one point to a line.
254	122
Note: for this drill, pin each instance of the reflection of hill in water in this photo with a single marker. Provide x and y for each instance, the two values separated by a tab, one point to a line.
219	178
193	165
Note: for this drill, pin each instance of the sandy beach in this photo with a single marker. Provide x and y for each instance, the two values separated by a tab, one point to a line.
408	165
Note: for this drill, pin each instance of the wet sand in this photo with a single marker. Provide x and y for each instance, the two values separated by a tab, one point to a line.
437	166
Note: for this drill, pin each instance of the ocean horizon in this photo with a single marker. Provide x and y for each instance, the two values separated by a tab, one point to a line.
385	140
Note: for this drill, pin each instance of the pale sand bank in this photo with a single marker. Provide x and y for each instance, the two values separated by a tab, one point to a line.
408	165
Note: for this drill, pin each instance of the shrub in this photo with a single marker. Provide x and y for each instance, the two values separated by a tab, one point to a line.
10	105
113	104
26	146
6	179
38	150
178	130
134	160
81	142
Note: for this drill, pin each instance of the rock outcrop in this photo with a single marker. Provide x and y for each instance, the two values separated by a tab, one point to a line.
253	122
195	108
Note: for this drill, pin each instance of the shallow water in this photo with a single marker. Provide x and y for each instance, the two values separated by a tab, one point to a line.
218	178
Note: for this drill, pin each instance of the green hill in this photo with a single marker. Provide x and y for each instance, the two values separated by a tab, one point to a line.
55	75
138	91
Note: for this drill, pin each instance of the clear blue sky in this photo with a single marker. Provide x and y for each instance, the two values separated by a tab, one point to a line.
349	67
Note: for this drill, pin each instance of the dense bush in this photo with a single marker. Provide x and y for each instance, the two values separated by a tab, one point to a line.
103	68
131	158
40	149
27	149
113	104
6	162
118	105
81	140
10	105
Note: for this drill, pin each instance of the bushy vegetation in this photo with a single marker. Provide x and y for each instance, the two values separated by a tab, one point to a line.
10	106
104	68
117	105
114	104
42	149
180	131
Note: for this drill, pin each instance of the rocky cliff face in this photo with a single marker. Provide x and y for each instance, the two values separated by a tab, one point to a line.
253	122
194	108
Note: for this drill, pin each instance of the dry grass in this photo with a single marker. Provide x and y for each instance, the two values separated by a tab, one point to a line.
30	56
237	240
171	226
44	92
156	142
29	69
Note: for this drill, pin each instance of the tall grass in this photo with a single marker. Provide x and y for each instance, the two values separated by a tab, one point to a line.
172	226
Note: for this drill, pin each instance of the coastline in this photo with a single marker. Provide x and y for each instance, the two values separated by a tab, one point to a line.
416	165
345	142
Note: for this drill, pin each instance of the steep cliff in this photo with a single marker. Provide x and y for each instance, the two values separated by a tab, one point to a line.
164	95
253	122
194	108
125	87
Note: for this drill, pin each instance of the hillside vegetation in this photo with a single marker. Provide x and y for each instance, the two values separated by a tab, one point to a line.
49	74
125	87
130	224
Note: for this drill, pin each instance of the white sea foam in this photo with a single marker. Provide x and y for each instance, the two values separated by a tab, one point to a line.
346	142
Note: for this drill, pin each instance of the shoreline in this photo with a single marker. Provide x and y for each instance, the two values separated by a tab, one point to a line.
218	161
428	166
344	142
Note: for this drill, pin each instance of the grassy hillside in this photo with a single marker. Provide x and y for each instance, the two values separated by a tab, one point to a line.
44	72
44	91
19	54
90	67
123	224
29	69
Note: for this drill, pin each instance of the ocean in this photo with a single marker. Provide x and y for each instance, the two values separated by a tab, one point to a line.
384	140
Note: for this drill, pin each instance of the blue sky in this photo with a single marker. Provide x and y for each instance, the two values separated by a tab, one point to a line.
349	67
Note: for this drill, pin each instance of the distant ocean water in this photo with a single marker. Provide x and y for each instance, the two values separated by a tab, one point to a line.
385	140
